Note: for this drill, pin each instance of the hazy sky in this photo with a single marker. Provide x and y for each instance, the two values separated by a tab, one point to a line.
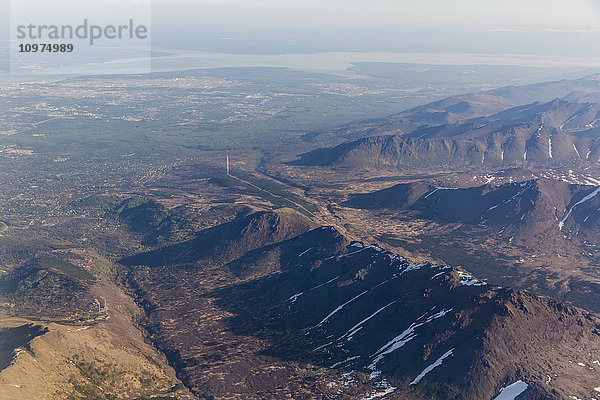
538	27
525	14
552	28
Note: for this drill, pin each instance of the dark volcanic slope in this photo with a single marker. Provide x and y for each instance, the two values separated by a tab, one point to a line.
314	316
533	209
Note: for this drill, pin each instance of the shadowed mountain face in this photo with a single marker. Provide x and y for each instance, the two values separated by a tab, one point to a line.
316	315
13	340
536	208
227	242
428	331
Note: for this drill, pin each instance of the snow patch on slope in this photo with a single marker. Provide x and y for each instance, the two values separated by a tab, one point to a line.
512	391
352	331
438	189
436	364
382	389
467	279
406	336
339	308
295	297
590	196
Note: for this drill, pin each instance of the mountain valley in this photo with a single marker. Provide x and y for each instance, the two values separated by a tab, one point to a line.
449	251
